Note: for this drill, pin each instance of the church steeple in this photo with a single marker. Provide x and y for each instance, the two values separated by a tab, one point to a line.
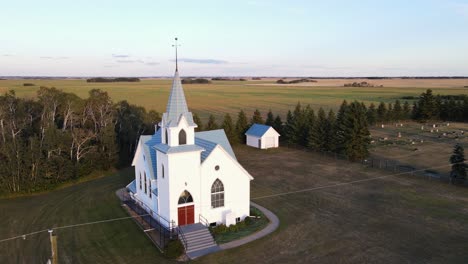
177	110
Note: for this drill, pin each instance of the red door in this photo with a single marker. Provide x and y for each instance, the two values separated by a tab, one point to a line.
186	215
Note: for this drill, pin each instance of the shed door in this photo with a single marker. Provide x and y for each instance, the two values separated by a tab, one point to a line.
186	215
270	142
259	143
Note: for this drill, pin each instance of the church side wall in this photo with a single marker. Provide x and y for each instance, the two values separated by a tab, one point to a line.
141	167
236	188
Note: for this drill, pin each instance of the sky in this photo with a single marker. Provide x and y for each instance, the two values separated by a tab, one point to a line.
234	38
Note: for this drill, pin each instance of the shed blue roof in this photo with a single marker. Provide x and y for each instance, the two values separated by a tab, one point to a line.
257	130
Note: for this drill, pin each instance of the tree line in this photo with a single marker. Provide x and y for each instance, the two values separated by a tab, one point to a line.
60	137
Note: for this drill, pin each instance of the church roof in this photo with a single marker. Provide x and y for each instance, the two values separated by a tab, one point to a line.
177	105
205	142
148	142
209	139
258	130
132	186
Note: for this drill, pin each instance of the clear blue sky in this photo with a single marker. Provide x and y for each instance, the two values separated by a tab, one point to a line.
253	37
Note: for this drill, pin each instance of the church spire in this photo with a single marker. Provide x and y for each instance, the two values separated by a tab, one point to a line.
177	105
176	45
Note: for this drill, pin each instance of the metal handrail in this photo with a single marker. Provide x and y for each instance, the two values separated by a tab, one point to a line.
203	220
182	236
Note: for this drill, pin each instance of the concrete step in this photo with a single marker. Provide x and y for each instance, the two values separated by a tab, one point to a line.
200	241
200	247
190	237
196	232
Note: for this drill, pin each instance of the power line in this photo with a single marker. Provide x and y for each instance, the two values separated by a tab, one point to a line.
70	226
254	198
342	183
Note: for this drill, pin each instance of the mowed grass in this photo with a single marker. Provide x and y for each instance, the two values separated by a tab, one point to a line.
397	219
113	242
221	97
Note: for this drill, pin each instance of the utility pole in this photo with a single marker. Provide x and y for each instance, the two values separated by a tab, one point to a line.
53	247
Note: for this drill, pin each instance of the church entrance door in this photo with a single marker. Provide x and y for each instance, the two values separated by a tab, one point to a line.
186	215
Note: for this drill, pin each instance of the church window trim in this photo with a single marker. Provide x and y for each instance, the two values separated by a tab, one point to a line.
150	194
217	194
182	137
146	190
140	180
185	197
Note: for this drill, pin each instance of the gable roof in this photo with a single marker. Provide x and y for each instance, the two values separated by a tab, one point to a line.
205	142
258	130
209	139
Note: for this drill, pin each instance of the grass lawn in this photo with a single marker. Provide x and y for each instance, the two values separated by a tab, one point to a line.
114	242
391	220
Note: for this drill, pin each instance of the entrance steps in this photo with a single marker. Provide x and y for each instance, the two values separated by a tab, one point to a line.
198	240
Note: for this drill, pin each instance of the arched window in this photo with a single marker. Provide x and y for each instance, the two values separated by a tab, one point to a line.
167	138
150	195
185	197
162	170
182	137
140	180
217	194
146	190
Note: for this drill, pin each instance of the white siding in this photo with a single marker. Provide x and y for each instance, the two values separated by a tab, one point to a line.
236	187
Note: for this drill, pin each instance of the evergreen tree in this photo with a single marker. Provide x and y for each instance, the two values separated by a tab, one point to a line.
381	112
415	111
457	160
257	118
427	106
229	129
278	125
270	119
306	125
397	111
371	114
331	119
211	125
340	127
390	117
354	136
318	132
289	128
406	111
197	120
241	126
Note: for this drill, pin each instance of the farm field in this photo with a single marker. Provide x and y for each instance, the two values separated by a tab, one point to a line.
222	97
394	219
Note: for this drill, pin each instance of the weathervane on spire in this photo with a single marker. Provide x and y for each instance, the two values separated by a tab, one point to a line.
176	45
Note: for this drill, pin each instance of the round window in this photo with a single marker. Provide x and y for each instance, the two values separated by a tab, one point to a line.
217	167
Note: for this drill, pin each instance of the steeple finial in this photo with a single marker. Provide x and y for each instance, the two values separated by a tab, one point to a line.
176	45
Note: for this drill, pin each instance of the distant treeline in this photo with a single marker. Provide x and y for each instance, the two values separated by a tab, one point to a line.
28	84
195	81
227	79
60	137
281	81
120	79
360	84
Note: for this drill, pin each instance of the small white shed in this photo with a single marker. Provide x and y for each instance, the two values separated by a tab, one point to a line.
262	137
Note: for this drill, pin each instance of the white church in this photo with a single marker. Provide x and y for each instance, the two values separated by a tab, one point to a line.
187	177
